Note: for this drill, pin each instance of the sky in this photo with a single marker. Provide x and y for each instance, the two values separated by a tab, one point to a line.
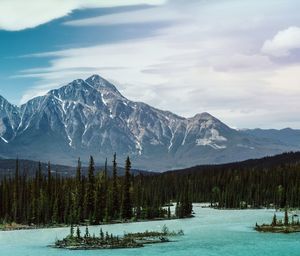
238	60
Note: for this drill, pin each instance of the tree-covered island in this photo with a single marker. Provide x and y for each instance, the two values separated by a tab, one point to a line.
281	226
75	241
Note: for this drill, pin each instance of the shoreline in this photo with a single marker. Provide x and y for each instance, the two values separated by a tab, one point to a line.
277	229
19	227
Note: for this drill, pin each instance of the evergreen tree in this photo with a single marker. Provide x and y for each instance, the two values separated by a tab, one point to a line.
115	190
169	212
87	233
126	202
104	192
55	218
72	230
101	234
274	221
78	194
16	194
286	217
78	232
90	193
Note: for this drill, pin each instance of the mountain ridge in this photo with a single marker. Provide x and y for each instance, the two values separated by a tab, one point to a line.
91	117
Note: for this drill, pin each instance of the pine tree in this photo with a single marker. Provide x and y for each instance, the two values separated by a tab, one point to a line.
98	207
49	193
169	212
78	194
138	198
91	189
78	172
101	234
106	236
286	217
72	230
184	206
78	232
49	178
274	221
87	233
55	215
104	192
16	194
126	202
115	190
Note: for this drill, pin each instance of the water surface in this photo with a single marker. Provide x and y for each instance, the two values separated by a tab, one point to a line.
210	233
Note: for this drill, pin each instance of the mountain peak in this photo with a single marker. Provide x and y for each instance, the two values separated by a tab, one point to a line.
90	117
95	77
203	116
99	82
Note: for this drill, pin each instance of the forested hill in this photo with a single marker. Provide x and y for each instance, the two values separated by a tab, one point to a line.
8	167
265	162
266	182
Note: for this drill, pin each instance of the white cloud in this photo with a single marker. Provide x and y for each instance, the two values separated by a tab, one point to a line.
208	59
283	42
132	17
19	14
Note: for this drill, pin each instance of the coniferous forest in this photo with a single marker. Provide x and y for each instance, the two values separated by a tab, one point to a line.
267	182
98	197
95	198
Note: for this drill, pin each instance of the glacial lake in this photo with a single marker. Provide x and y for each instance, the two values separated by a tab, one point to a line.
210	233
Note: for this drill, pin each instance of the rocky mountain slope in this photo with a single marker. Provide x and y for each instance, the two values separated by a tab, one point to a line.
91	117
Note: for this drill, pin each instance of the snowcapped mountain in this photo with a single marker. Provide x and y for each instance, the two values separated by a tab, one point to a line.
91	117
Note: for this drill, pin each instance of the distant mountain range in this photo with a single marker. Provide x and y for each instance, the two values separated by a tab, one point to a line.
91	117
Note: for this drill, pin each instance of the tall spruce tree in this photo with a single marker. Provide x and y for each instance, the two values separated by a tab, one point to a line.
90	192
49	192
15	203
78	194
115	190
126	212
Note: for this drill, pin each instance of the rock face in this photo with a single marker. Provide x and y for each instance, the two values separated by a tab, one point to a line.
91	117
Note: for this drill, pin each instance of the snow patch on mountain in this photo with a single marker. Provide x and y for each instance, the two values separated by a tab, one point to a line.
211	138
3	139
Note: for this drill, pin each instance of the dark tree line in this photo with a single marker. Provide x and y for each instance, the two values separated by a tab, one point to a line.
271	181
98	197
95	198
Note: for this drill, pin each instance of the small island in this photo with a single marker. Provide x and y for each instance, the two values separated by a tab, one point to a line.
109	241
280	226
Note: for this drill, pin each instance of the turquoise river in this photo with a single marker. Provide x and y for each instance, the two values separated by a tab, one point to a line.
209	233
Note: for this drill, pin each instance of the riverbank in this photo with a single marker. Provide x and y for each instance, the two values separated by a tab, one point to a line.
15	226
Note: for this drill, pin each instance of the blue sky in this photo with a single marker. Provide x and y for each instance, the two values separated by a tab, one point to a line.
16	46
238	60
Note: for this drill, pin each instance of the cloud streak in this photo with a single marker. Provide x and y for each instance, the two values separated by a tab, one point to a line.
131	17
18	14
